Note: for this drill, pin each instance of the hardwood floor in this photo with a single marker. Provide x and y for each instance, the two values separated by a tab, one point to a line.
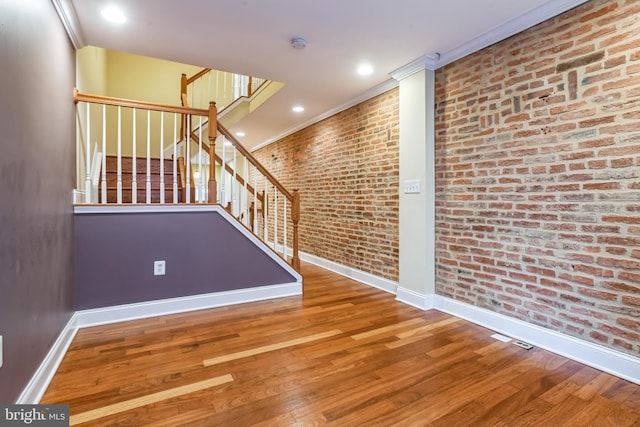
344	354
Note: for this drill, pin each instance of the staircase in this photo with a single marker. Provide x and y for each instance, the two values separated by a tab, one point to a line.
210	166
155	179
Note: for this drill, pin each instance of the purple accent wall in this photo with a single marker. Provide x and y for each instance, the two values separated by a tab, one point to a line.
37	172
203	253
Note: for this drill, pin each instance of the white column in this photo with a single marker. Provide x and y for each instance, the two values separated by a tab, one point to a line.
417	186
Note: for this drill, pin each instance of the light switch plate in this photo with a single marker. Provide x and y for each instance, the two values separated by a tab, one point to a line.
411	186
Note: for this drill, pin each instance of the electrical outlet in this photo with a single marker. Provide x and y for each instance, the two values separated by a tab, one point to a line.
159	268
411	186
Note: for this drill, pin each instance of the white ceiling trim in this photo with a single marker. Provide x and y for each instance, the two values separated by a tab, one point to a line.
425	62
374	91
516	25
436	60
69	19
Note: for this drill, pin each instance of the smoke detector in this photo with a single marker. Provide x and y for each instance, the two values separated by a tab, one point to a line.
298	43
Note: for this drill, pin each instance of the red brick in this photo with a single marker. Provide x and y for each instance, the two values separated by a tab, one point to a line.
553	173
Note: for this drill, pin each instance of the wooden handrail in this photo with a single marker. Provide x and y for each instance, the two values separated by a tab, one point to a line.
122	102
254	161
186	81
251	90
294	197
197	75
229	169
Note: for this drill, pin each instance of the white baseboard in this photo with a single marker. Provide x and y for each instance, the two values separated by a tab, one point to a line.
122	313
607	360
38	384
352	273
415	299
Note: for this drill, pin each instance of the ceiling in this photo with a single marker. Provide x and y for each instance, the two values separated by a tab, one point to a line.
253	37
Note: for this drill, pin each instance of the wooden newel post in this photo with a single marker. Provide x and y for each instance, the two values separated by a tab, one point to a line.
183	89
213	134
295	218
184	103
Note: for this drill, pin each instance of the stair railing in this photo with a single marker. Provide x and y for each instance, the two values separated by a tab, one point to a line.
136	132
251	193
221	87
256	197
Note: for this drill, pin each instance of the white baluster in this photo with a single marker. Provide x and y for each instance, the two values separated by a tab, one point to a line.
236	86
209	87
104	154
87	165
119	170
265	234
245	193
162	158
175	157
217	90
255	201
193	91
275	218
234	192
187	159
200	195
223	195
134	172
226	95
148	186
284	236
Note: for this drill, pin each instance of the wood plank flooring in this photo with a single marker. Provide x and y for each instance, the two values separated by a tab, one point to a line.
344	354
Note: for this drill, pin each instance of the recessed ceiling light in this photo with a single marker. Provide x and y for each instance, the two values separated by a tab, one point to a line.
298	109
365	70
113	14
240	133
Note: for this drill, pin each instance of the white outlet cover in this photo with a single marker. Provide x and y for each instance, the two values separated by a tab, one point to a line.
159	268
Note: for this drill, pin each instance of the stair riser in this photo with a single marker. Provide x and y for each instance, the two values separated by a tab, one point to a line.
127	181
112	196
141	165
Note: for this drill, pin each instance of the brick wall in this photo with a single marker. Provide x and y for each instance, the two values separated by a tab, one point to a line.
538	175
346	168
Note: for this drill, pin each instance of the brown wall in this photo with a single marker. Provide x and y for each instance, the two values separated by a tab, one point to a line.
538	175
37	171
346	168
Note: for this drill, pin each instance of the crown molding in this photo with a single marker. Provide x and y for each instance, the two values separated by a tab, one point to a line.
434	61
67	14
425	62
374	91
516	25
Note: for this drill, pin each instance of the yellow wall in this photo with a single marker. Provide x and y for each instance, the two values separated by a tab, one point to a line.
91	70
91	77
124	75
144	79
